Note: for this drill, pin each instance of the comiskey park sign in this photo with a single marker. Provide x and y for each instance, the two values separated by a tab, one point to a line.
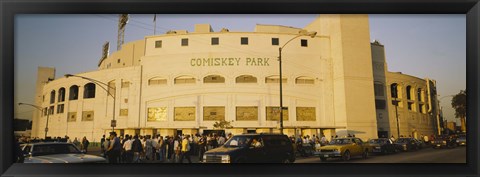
229	61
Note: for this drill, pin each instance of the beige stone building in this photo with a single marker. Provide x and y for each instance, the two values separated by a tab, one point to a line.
182	82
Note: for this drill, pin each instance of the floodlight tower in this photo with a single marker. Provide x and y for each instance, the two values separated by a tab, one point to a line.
122	22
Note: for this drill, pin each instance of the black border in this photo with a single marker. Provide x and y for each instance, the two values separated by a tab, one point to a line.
9	8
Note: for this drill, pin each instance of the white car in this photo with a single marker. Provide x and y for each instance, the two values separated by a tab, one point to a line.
53	152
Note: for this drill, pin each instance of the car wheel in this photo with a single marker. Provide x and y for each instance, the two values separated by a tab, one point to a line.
365	154
346	156
323	159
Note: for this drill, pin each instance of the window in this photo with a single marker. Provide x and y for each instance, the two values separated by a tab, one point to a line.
213	79
125	84
410	106
118	60
304	80
60	108
304	43
158	44
246	79
409	93
273	113
73	93
87	116
52	97
215	41
89	91
72	117
45	111
184	80
378	89
394	90
275	79
185	42
379	104
275	41
184	114
61	95
213	113
419	95
157	81
306	114
123	112
50	110
421	107
246	113
111	87
244	41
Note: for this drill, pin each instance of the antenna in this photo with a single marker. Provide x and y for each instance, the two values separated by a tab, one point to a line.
122	22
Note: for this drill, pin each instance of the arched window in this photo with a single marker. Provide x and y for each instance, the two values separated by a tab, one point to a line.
52	97
419	94
275	79
394	90
89	91
112	87
61	95
304	80
213	79
73	93
184	80
246	79
409	92
157	81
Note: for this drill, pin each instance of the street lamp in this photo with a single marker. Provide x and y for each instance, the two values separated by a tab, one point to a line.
39	108
113	123
300	33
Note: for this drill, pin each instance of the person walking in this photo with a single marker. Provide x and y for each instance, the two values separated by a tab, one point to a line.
185	149
114	149
127	147
102	141
202	144
137	149
85	144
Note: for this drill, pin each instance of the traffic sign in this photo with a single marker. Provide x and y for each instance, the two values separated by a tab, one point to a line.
113	123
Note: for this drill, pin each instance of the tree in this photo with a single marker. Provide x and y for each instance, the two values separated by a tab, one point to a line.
222	125
459	103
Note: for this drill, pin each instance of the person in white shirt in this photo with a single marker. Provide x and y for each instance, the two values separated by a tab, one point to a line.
127	146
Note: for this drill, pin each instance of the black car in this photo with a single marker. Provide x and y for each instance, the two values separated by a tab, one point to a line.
383	146
444	142
407	144
253	148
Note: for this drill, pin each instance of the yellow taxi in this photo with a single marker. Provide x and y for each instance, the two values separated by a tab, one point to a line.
343	148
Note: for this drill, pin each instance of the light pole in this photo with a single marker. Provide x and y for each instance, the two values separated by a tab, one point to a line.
113	123
41	110
440	128
300	33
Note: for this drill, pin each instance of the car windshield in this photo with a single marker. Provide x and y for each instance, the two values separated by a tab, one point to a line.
403	140
238	141
377	141
341	141
49	149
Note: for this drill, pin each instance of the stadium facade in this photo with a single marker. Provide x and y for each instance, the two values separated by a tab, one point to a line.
181	82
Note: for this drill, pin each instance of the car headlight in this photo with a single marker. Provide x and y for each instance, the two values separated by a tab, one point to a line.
225	159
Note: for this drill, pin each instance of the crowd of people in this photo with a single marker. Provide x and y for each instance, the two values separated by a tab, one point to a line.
173	149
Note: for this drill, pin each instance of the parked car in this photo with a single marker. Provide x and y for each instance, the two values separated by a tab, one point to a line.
407	144
444	142
343	148
253	148
461	140
420	144
55	152
382	146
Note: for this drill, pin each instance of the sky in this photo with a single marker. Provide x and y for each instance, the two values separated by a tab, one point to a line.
425	46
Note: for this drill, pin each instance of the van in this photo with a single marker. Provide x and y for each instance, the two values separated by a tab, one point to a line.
253	148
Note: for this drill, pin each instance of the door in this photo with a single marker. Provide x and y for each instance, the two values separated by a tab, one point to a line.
257	154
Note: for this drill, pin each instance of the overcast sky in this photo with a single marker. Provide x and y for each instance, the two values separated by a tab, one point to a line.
432	46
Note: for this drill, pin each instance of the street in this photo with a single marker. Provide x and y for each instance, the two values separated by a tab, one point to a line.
425	155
